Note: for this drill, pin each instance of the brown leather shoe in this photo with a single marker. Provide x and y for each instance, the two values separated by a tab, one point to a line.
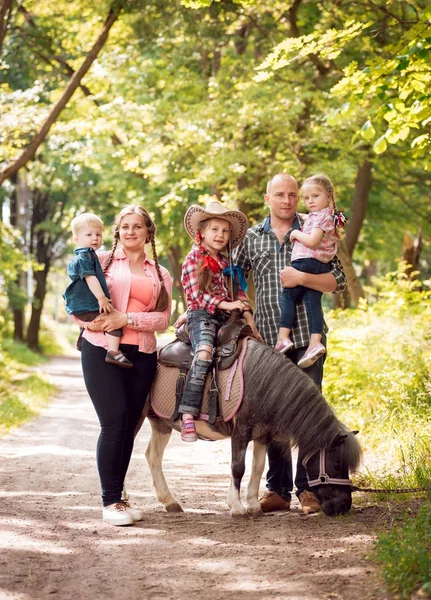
271	502
309	502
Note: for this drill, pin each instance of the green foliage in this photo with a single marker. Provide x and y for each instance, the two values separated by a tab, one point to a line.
22	395
378	378
20	353
384	54
405	554
12	259
22	400
378	371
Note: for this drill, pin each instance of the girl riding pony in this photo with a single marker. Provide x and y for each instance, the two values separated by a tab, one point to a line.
215	231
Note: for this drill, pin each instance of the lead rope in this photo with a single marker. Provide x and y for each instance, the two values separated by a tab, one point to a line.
355	488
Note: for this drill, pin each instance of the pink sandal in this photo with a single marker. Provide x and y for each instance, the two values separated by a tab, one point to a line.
188	431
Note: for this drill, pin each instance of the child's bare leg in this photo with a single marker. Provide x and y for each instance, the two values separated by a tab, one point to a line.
283	334
113	342
114	356
315	338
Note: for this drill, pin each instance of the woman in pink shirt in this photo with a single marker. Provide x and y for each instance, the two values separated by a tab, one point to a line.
141	292
314	248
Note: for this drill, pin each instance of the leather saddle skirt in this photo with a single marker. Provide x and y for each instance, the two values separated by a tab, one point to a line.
230	386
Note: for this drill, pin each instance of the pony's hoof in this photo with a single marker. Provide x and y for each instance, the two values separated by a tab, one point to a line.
239	514
174	508
255	512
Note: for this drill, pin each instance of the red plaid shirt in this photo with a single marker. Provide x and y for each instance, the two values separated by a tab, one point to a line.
196	299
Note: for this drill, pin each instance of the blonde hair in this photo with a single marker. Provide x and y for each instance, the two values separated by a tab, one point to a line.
324	182
132	209
85	220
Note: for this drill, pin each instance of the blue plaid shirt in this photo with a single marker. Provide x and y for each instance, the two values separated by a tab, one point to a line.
264	257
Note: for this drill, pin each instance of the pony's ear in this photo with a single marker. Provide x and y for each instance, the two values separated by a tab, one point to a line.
355	431
339	440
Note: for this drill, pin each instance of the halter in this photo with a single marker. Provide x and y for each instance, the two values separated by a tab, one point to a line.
323	476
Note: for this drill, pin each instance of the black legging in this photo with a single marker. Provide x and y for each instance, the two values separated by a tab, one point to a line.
118	395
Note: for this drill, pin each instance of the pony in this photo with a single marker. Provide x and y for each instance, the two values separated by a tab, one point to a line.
280	404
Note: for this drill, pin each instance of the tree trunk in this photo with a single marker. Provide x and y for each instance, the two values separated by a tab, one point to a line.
411	253
37	307
17	297
5	10
356	290
174	259
361	197
73	84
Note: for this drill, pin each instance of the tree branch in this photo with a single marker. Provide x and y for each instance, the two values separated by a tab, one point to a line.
73	84
5	11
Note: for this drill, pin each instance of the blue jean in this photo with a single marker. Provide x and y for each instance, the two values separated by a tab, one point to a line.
290	297
203	328
279	477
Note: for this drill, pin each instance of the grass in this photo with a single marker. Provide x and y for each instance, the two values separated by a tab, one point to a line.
23	399
24	391
378	379
405	554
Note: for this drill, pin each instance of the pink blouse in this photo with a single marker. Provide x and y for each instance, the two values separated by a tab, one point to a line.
146	321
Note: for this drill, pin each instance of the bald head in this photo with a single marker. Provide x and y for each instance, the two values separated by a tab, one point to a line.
280	177
282	198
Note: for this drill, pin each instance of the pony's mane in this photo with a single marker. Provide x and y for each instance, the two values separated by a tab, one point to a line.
296	406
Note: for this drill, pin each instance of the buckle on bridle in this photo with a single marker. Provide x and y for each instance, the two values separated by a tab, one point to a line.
324	478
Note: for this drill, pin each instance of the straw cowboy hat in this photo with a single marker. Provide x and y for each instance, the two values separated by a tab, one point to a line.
214	210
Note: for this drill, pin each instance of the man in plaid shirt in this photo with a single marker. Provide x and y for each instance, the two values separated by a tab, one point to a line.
265	254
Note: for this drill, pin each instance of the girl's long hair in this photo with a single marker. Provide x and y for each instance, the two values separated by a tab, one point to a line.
324	182
204	274
130	209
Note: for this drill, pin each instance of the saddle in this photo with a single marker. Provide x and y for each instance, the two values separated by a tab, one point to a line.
228	347
178	354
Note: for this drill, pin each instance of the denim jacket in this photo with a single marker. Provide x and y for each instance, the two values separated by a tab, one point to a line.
78	297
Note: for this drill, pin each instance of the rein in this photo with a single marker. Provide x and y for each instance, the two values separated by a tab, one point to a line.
324	478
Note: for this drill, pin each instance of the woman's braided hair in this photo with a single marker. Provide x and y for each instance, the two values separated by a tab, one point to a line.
324	182
130	209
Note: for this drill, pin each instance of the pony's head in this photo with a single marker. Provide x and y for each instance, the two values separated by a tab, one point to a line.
328	473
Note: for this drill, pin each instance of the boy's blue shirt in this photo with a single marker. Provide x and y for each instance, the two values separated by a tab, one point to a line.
78	297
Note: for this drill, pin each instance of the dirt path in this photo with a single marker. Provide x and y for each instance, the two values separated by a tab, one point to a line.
54	544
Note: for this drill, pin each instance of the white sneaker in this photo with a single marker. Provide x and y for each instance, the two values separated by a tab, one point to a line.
116	514
135	513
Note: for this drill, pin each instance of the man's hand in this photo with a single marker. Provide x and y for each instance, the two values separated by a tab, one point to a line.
116	320
290	277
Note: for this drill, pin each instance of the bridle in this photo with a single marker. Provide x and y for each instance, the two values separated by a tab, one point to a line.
323	476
